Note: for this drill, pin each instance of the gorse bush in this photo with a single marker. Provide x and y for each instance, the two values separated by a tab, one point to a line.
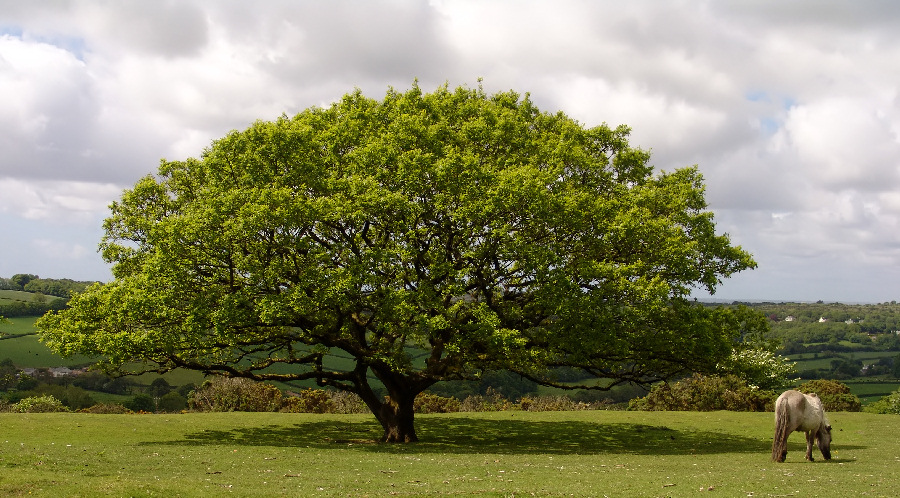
559	404
547	403
106	409
835	395
492	401
344	402
432	403
226	394
308	401
706	393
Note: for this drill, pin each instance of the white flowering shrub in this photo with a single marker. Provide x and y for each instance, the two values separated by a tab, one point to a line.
39	404
760	367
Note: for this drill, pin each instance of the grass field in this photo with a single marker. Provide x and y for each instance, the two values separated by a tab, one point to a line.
10	296
19	343
588	453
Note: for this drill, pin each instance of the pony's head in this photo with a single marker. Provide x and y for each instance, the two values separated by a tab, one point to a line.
823	440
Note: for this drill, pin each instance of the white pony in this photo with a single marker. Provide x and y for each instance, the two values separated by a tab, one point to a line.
795	411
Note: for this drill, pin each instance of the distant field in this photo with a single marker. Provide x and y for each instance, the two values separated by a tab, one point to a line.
869	391
10	296
26	351
811	361
20	344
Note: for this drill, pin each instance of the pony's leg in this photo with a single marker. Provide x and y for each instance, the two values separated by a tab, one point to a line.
810	440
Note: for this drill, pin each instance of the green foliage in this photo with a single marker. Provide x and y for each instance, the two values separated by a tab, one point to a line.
141	403
172	402
21	279
25	304
706	393
63	288
159	387
835	395
226	394
71	396
889	404
39	404
428	237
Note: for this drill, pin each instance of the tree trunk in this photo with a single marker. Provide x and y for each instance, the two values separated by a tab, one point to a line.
396	417
396	412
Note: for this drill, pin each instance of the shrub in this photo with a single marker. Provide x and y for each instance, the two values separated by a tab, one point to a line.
73	397
346	402
493	401
835	395
308	401
141	403
171	402
889	404
547	404
706	393
106	409
432	403
560	404
39	404
227	394
322	401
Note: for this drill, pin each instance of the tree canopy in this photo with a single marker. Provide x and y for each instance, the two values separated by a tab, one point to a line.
418	238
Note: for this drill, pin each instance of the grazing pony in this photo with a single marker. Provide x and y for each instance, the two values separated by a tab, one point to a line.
795	411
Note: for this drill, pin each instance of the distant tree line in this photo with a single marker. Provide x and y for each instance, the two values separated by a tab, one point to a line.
832	327
63	287
36	307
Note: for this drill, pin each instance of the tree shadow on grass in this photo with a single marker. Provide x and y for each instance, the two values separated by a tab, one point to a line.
478	436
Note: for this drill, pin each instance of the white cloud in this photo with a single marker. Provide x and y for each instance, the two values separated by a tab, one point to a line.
57	202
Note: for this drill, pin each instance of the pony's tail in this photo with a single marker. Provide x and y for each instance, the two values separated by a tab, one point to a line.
779	445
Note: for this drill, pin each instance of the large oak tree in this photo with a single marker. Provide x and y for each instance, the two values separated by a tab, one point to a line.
424	237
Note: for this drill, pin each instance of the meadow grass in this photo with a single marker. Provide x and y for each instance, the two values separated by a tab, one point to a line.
10	296
20	344
512	453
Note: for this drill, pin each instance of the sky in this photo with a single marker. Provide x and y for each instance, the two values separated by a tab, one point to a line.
789	109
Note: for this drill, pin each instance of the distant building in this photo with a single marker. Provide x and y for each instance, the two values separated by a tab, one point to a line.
54	371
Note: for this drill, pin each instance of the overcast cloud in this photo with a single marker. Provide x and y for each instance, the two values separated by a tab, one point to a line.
790	109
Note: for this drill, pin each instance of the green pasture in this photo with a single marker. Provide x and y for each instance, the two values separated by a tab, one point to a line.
9	296
18	326
869	391
19	343
586	453
810	361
